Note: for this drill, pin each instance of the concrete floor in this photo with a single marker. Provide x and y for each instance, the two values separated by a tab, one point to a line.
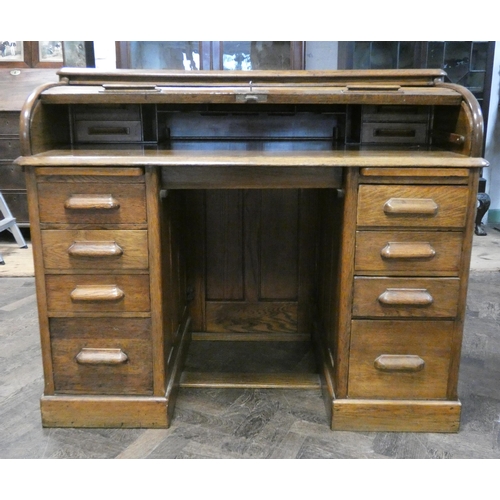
242	423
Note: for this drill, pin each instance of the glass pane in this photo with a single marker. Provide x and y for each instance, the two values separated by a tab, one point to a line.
406	55
457	60
435	55
50	51
322	55
11	51
479	56
384	55
256	55
474	81
361	58
165	55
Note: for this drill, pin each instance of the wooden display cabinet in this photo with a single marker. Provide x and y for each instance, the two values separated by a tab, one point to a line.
197	55
332	209
16	84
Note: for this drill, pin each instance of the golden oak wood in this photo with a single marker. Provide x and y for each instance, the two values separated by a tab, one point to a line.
80	293
415	206
396	416
124	204
408	253
405	297
430	340
332	206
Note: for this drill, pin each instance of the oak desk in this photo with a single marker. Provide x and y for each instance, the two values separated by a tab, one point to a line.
328	207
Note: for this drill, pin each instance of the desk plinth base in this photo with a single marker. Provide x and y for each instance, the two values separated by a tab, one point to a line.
105	411
395	416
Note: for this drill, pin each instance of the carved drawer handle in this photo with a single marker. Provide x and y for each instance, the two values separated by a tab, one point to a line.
95	249
406	297
411	206
399	363
408	250
91	202
97	293
90	356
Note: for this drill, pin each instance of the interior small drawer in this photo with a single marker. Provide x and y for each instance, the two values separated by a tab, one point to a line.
399	359
96	131
95	249
92	203
394	133
405	297
102	355
412	206
408	253
97	293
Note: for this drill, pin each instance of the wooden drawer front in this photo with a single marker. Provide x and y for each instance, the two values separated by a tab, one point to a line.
95	131
92	203
11	176
9	148
399	359
85	293
9	122
17	201
405	297
412	206
394	133
102	355
95	249
408	252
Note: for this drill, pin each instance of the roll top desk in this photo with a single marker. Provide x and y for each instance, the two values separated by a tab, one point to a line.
332	208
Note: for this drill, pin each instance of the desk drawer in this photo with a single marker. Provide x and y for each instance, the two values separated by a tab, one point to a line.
408	252
102	355
98	293
11	176
9	148
92	203
9	122
399	359
95	249
412	206
405	297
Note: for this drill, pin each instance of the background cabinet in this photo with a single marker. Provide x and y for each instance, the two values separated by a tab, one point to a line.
218	55
15	86
467	63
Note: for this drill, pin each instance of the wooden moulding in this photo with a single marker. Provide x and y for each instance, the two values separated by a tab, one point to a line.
395	416
104	411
